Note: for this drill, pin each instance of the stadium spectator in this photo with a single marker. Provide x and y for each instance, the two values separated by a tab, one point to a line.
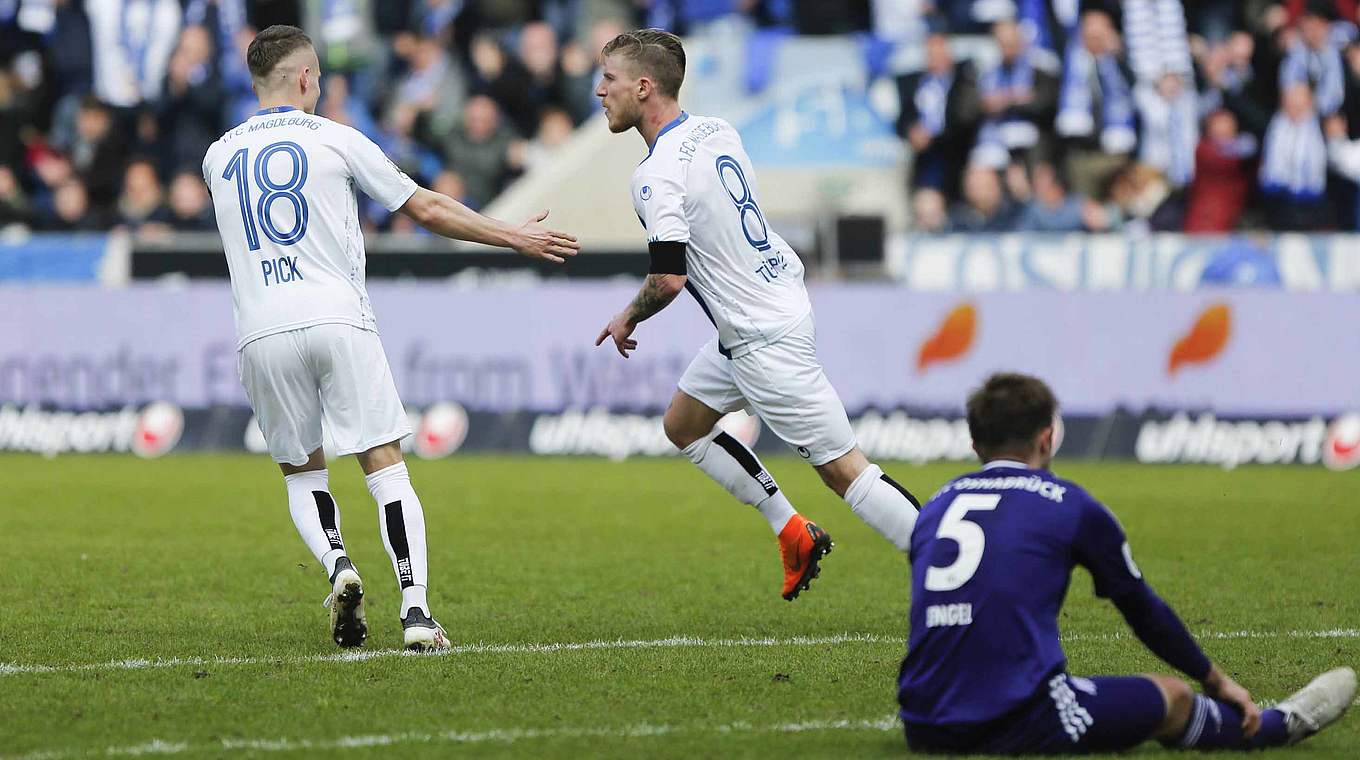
539	52
985	207
1343	155
71	211
929	211
106	80
1223	180
938	116
1231	80
13	114
189	113
70	61
1095	106
339	105
478	149
1017	97
904	22
132	41
190	207
1169	113
580	68
430	95
554	129
1051	208
1294	164
1314	58
13	205
1157	41
143	200
1215	20
451	184
97	154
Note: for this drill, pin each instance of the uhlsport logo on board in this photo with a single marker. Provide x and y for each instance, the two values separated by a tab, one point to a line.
151	432
1341	450
441	431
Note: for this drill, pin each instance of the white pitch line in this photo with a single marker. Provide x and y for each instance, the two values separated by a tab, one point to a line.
492	736
674	642
1330	633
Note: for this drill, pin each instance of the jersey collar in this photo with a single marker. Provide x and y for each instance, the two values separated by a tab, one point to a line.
674	123
275	109
1007	463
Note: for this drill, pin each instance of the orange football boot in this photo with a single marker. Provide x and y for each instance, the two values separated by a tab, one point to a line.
802	545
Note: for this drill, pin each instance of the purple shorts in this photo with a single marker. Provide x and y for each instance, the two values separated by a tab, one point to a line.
1068	715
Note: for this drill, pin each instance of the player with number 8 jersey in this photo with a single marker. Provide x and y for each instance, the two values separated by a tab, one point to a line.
696	195
283	186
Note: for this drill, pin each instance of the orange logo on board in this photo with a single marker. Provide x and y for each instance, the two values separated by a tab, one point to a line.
1205	341
951	340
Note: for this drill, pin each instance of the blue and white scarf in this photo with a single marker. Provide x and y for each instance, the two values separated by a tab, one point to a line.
932	100
1170	133
1322	70
1076	113
1294	158
1015	79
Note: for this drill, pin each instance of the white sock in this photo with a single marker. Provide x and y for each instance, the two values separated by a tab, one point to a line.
736	468
316	516
414	596
402	522
884	505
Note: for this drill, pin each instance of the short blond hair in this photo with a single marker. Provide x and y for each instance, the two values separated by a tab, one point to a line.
658	54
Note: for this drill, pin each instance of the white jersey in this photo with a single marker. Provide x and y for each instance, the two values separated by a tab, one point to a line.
697	187
282	185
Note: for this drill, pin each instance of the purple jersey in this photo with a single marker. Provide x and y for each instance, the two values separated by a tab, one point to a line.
991	556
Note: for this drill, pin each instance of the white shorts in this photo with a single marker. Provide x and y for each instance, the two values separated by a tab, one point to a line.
335	371
783	384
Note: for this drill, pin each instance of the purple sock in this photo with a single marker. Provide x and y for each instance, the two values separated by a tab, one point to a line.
1218	725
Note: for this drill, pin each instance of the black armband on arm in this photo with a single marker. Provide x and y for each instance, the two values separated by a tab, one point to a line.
668	257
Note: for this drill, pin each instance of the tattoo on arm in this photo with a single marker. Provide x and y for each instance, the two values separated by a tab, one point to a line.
653	297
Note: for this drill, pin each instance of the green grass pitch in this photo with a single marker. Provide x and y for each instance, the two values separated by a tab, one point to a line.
110	560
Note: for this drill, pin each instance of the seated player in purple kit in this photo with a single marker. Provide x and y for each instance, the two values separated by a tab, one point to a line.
991	557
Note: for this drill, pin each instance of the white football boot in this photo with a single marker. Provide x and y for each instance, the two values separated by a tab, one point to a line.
1318	705
349	625
423	634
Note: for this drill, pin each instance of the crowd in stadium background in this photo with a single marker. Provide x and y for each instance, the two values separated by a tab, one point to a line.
1168	115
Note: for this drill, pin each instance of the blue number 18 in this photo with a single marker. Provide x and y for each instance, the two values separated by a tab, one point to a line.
270	191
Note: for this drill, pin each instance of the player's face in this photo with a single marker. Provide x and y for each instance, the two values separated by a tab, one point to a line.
618	93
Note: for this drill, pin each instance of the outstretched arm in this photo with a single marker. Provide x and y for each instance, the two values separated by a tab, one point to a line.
1161	631
656	294
445	216
1102	548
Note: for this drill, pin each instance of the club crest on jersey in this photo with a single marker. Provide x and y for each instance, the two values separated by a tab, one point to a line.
646	192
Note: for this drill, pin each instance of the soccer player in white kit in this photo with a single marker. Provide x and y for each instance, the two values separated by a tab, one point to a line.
696	195
283	187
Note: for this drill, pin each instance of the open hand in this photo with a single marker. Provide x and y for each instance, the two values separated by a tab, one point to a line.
619	328
538	242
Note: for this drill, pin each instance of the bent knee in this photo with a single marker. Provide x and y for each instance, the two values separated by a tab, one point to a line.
837	479
840	473
1180	702
678	432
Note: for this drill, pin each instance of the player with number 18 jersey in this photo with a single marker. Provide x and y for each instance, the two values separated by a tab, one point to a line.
283	186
